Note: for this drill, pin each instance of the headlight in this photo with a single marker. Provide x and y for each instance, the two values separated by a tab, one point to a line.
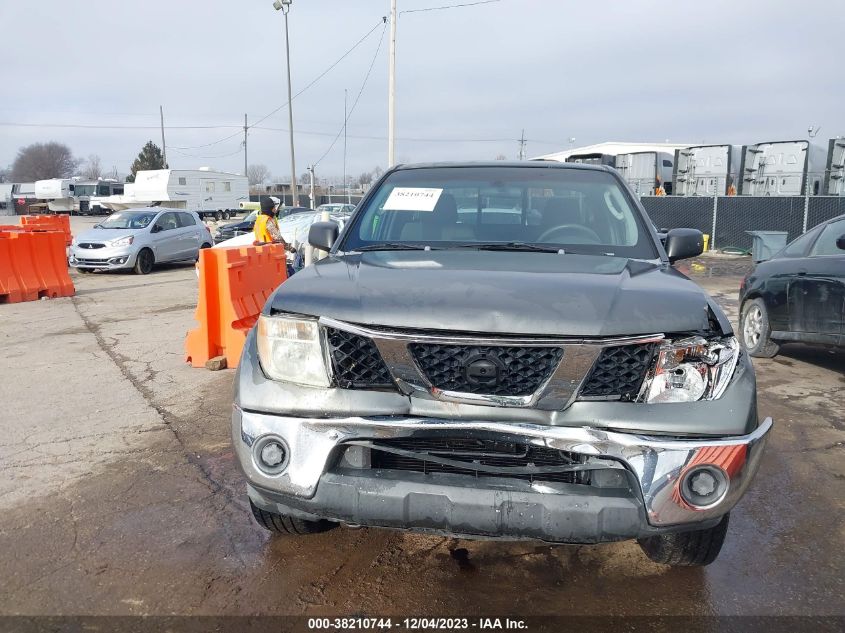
123	241
74	242
691	369
290	350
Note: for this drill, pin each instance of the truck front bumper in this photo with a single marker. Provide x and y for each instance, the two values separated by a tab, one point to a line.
646	493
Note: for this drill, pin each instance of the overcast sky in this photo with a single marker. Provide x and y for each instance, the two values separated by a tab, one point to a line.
468	79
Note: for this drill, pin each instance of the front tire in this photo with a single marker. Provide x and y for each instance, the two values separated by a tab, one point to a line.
755	330
144	262
281	524
686	549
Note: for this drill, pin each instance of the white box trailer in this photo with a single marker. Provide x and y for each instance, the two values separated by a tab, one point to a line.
593	159
641	170
210	193
705	170
781	168
834	173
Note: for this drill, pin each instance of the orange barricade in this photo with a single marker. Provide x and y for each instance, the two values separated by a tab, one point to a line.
234	284
59	223
32	265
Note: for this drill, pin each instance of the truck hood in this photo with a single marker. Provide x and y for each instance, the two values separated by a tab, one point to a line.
526	293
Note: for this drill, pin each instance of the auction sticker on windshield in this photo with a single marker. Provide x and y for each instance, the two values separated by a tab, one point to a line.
412	199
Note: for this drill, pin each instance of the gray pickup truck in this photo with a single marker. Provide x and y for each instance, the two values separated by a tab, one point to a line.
499	350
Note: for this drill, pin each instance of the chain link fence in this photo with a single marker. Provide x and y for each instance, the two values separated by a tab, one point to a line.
728	218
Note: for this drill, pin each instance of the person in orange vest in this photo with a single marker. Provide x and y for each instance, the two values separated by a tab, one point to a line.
658	188
731	188
266	226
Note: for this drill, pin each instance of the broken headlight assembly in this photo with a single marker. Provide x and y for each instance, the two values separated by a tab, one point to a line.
691	369
290	350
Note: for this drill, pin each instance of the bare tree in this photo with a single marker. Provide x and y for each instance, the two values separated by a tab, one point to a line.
257	174
92	169
40	161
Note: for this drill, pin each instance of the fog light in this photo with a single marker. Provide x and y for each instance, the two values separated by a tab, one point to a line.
704	486
271	455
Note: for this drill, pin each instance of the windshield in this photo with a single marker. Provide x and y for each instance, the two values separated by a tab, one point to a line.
84	190
576	210
129	220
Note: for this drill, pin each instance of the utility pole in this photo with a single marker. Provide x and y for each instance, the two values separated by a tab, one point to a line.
391	90
522	146
163	144
246	127
312	194
284	7
345	189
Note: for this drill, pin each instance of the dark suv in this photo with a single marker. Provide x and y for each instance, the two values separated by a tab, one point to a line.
499	350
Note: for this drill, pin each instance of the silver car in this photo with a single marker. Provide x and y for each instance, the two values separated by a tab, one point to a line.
139	239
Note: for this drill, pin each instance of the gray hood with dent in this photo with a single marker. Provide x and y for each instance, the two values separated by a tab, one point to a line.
499	292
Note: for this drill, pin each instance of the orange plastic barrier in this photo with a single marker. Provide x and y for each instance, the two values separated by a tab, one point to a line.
33	265
59	223
234	284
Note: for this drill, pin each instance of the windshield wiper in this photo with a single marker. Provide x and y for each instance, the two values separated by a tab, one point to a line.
511	246
394	246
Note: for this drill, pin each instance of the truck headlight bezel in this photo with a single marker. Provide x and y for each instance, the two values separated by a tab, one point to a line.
291	349
691	370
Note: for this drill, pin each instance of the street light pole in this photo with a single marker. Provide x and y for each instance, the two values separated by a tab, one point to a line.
284	7
391	90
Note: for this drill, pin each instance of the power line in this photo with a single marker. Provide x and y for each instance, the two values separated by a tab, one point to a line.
117	127
449	6
360	92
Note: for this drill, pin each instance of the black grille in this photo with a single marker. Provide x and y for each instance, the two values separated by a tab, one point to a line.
619	372
519	370
91	245
498	453
356	361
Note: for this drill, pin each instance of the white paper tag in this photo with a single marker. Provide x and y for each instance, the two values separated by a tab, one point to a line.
412	199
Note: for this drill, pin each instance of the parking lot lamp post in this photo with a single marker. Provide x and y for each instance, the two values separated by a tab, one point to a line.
284	7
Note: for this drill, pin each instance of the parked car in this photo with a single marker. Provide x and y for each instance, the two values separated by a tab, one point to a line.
140	238
337	209
798	295
228	231
558	381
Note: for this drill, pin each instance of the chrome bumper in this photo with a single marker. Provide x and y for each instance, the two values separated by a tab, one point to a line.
657	463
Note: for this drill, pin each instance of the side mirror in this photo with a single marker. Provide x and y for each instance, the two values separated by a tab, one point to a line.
322	235
156	228
683	244
840	243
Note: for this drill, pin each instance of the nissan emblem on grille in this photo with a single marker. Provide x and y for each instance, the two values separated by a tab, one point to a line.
481	369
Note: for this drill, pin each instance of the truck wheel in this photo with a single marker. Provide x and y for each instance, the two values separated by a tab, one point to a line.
686	549
755	330
288	525
226	215
144	262
218	216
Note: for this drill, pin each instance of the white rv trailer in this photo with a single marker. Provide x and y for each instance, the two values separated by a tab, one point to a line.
88	193
781	168
209	193
705	170
58	192
641	170
834	173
